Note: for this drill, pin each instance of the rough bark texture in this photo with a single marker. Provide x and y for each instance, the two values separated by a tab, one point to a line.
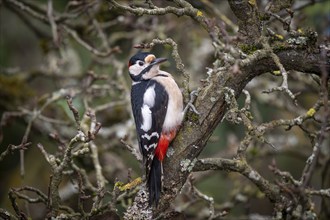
194	134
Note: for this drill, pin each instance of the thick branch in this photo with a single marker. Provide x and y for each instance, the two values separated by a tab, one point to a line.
186	9
211	105
270	190
292	59
248	19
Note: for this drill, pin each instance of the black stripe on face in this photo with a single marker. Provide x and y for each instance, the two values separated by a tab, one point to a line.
139	56
146	70
139	76
136	78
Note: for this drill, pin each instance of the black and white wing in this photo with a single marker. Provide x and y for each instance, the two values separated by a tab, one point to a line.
149	103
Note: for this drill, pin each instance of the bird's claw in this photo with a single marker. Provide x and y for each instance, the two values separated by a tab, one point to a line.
190	104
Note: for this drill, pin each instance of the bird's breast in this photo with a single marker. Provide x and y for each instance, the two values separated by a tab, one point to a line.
174	113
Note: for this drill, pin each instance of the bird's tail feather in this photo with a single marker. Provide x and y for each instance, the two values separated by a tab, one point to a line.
155	182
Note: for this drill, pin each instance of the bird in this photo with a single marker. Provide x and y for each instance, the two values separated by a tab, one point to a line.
157	106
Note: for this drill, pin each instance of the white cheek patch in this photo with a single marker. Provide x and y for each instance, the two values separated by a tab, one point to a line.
135	69
146	116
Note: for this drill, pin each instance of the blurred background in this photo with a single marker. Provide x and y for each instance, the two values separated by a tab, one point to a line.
35	66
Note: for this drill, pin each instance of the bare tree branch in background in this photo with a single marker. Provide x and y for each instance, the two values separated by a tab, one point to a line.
251	57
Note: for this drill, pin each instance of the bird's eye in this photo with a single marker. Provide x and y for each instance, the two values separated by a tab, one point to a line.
140	63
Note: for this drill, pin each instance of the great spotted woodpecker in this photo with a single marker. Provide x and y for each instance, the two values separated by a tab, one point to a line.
157	106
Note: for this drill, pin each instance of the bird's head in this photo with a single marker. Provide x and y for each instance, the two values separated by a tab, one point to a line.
144	66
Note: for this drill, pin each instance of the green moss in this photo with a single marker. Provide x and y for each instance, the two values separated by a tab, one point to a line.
249	115
264	17
280	46
241	163
188	129
194	117
179	136
248	48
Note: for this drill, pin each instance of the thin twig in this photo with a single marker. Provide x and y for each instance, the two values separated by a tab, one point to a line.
52	22
11	148
284	86
74	112
312	160
132	150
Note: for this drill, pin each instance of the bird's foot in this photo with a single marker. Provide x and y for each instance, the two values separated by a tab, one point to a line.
193	96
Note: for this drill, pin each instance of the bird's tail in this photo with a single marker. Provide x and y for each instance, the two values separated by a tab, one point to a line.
155	182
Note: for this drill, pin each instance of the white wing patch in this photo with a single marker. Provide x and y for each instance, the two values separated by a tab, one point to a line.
149	96
146	116
148	102
150	136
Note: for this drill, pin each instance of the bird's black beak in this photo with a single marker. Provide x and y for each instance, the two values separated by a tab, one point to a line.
152	64
158	61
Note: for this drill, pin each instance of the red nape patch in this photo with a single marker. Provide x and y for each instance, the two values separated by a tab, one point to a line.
163	143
